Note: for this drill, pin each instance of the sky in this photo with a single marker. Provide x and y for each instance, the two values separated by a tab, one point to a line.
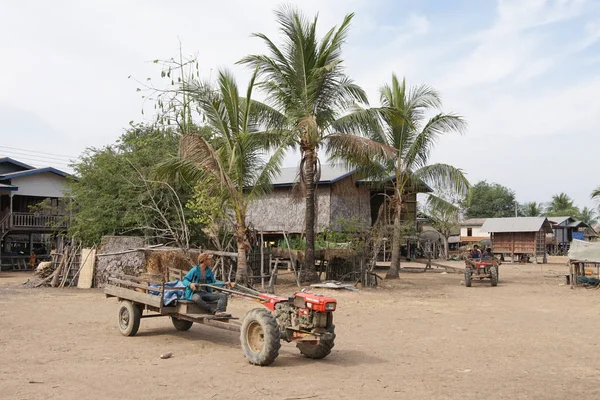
525	74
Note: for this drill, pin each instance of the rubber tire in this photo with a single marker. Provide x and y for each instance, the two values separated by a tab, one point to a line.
468	277
494	276
132	313
318	351
264	323
181	324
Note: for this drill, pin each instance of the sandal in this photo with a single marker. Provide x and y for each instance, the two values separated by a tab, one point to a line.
222	314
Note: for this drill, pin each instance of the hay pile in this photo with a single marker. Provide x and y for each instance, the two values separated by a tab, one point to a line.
157	262
44	269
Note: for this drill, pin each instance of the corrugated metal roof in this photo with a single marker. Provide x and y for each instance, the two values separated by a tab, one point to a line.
15	162
7	187
35	171
576	224
516	224
473	221
558	220
330	173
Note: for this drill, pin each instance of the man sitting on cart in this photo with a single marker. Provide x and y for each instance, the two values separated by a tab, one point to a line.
476	253
202	296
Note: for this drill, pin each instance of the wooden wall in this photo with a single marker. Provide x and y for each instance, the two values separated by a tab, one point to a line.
533	243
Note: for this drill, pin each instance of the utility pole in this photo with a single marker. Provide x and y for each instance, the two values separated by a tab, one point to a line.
516	209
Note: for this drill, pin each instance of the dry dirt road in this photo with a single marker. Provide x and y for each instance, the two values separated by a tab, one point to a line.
423	337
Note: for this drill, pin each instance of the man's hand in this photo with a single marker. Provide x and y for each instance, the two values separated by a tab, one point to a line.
193	286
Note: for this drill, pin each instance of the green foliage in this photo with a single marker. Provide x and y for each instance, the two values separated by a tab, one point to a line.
487	200
562	205
531	209
587	215
109	197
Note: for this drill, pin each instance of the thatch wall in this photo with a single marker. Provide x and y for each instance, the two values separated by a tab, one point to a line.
279	211
349	201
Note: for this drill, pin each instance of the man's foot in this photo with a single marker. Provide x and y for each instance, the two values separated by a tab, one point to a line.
222	314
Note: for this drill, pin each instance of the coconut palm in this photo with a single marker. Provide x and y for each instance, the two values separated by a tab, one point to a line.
304	79
562	205
596	193
234	165
406	128
532	209
588	215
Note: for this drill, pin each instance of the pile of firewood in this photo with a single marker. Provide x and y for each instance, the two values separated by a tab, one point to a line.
44	269
69	260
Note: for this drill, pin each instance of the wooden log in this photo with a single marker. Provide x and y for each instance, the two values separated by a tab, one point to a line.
59	269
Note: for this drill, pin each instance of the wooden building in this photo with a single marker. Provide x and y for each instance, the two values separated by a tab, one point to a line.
519	236
22	230
341	194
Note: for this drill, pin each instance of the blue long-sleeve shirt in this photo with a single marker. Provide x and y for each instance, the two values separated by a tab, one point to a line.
195	276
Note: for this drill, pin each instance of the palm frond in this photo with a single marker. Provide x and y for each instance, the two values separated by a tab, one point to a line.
443	176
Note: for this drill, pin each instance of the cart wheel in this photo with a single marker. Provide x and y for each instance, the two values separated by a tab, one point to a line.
260	337
181	324
494	276
129	318
468	277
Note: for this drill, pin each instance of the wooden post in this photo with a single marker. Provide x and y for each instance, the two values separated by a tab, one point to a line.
512	248
10	220
262	261
535	247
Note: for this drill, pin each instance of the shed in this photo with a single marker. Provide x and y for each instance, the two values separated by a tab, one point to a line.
519	236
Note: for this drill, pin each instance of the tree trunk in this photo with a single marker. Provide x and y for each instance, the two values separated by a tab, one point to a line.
446	248
394	271
309	274
241	275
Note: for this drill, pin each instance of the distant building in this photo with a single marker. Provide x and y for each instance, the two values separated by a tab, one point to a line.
564	230
471	232
520	237
23	231
340	194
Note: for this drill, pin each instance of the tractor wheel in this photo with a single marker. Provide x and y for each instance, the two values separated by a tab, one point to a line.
468	277
181	324
260	337
494	276
318	351
129	318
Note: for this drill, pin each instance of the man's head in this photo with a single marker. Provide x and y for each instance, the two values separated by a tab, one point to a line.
205	259
476	247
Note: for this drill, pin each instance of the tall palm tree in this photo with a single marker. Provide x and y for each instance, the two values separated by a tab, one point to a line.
562	205
304	79
234	165
588	215
406	128
532	209
596	193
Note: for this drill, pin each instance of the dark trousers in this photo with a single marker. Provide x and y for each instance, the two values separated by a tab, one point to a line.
204	298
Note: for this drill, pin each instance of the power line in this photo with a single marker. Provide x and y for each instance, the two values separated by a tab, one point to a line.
37	152
39	160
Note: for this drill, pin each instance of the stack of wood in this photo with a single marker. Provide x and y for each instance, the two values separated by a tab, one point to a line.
74	262
44	269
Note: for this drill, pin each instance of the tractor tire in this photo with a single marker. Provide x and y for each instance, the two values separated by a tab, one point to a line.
129	318
181	324
260	337
468	277
494	276
318	351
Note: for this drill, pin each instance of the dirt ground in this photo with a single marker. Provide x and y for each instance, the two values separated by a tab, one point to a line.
423	337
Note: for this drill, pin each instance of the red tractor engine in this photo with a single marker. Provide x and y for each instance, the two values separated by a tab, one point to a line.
303	314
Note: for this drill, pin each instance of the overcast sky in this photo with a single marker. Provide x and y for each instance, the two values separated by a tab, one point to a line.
524	73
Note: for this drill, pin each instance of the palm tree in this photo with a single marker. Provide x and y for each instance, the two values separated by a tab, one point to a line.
233	165
562	205
406	128
588	215
596	193
532	209
304	79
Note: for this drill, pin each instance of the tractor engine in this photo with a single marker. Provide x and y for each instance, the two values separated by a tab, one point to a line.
304	312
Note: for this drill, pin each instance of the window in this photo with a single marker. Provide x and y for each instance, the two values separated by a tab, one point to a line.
469	231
